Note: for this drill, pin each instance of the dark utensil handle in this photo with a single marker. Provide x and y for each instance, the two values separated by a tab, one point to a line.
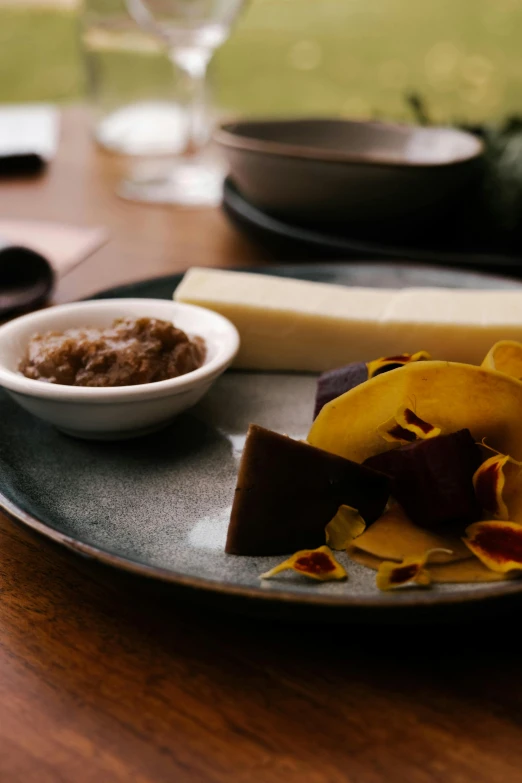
26	279
26	165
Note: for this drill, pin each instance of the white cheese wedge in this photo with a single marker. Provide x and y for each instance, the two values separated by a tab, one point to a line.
288	324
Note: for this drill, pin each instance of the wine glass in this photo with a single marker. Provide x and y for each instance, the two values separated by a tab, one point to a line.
192	30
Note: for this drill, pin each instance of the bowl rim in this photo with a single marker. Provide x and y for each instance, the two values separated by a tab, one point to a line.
229	134
15	382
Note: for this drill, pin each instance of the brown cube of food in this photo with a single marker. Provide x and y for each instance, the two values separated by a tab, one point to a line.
288	491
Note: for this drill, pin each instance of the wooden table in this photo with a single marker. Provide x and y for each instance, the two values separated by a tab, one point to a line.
99	682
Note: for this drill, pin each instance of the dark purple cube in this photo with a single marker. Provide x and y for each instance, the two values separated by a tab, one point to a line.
433	480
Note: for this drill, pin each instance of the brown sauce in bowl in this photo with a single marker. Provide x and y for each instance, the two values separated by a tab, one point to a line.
128	353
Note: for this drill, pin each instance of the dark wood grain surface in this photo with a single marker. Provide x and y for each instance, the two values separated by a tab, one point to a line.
102	679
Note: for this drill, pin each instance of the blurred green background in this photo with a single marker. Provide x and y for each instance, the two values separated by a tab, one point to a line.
349	57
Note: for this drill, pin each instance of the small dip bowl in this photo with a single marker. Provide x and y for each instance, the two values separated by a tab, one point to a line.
123	411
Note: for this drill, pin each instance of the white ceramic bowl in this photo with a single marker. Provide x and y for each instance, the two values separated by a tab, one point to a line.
341	171
124	411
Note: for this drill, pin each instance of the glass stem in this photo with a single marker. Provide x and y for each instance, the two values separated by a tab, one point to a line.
192	64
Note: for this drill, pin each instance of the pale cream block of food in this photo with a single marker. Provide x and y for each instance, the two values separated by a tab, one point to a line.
459	325
288	324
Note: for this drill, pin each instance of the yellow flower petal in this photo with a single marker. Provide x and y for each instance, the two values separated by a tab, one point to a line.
497	544
346	525
318	564
405	427
489	481
460	572
412	569
408	419
392	432
386	363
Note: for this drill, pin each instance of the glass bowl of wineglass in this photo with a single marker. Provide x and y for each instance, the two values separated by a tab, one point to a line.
191	30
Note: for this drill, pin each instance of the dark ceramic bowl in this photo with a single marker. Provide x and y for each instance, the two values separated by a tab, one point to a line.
336	171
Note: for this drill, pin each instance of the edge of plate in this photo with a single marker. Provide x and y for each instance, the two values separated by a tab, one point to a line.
420	599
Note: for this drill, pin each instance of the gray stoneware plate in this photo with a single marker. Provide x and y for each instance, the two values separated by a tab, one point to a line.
159	505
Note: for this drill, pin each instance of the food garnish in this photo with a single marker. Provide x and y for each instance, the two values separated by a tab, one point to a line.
405	427
318	564
387	363
489	482
461	572
497	544
412	569
346	526
288	491
392	432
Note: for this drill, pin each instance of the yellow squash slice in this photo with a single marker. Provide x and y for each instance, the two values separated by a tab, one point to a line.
449	395
505	356
394	537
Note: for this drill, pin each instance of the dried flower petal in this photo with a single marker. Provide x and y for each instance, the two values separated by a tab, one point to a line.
505	356
319	564
392	575
461	572
409	420
406	427
392	432
346	525
412	569
497	544
489	481
386	363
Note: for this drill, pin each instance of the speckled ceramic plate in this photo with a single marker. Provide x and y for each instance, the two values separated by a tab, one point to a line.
159	505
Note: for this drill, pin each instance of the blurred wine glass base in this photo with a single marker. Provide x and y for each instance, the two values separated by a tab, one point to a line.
189	182
143	128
